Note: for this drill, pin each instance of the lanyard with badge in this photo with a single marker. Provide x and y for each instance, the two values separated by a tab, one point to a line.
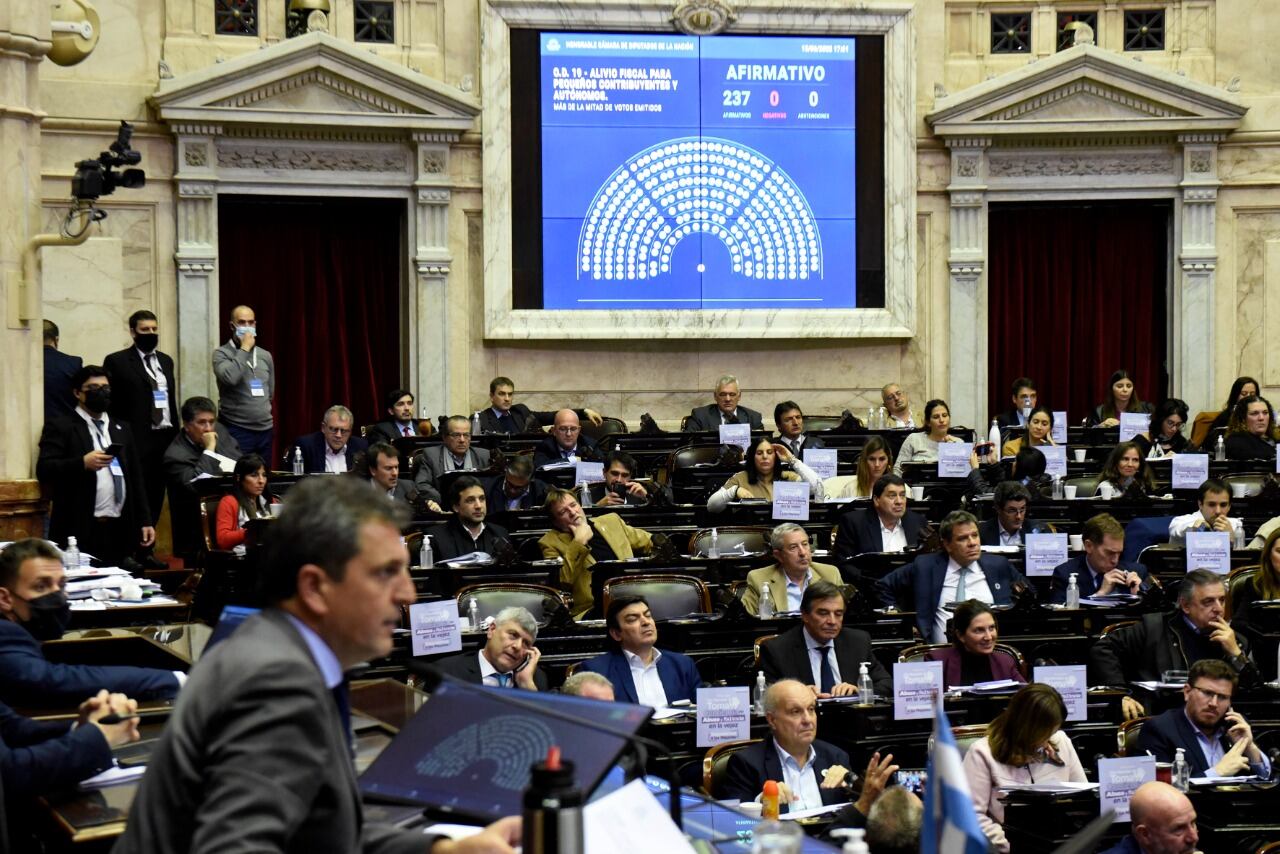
256	387
159	385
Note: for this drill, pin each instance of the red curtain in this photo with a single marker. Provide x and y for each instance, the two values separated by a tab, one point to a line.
323	278
1076	292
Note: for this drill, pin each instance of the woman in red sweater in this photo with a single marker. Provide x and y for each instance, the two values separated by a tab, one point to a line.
249	500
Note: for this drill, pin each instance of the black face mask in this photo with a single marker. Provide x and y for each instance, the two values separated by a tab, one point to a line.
147	341
50	616
97	399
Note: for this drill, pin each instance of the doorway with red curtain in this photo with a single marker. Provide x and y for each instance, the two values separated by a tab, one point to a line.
1077	291
323	277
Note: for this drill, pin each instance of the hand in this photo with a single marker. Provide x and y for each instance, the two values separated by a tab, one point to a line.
247	342
1133	581
95	460
833	777
105	703
501	837
582	532
1132	708
782	452
524	677
1050	753
210	440
1222	634
1113	579
844	689
785	795
433	507
148	536
1221	523
1110	422
593	417
637	490
877	776
973	460
1241	731
1234	762
609	500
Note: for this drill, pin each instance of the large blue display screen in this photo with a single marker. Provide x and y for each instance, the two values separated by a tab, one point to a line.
687	173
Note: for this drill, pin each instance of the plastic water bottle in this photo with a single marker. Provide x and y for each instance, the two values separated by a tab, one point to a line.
71	557
1073	593
758	699
297	461
853	840
1220	449
426	559
473	615
766	602
1058	491
1237	537
714	551
1181	775
1026	407
584	489
866	690
993	436
882	418
475	423
871	418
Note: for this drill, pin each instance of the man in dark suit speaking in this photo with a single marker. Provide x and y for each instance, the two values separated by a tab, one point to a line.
960	572
257	756
707	419
639	671
810	773
821	652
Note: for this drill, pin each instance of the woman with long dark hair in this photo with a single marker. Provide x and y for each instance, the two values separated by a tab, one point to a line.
248	500
1125	467
1251	432
972	656
1122	396
763	469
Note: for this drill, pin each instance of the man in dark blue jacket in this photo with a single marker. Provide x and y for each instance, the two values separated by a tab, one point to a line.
34	608
39	757
960	572
1100	571
1010	525
332	448
639	671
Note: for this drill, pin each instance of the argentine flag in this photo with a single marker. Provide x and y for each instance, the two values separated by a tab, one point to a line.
950	823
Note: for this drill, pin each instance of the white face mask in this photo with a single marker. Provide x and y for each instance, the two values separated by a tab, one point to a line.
241	331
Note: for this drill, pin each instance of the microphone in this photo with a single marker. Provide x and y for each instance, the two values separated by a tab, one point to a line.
432	676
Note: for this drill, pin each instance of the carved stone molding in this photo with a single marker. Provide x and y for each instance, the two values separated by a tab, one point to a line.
197	189
195	267
195	154
1200	162
434	197
966	270
1201	195
326	160
1076	89
1009	165
432	269
1202	267
321	78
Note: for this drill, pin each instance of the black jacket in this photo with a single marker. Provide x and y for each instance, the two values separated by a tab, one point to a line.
313	451
453	540
859	532
548	451
706	419
1162	735
989	530
132	400
466	666
496	497
388	430
1144	651
526	420
58	370
748	769
787	657
1085	580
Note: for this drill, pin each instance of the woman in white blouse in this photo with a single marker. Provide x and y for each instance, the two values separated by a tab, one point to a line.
1024	744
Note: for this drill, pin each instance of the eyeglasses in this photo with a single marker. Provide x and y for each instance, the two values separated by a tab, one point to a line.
568	429
466	435
337	431
1212	695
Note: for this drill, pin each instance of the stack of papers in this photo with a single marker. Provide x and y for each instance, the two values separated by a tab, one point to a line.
1061	786
113	775
471	559
998	686
110	584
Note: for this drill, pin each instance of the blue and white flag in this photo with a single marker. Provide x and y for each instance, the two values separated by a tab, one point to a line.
950	821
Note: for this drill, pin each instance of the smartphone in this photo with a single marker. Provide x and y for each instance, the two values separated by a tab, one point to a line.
528	658
913	780
115	449
982	449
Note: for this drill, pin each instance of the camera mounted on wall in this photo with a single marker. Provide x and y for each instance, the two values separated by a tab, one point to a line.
96	178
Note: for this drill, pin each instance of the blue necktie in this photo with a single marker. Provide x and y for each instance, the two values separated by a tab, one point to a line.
342	699
827	675
504	680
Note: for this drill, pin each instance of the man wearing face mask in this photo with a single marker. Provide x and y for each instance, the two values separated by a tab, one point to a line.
89	462
246	376
34	608
143	396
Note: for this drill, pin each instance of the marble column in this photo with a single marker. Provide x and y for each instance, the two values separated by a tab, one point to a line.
24	41
429	303
199	323
1192	349
966	263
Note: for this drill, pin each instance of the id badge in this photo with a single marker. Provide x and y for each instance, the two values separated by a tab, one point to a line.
115	467
256	389
161	398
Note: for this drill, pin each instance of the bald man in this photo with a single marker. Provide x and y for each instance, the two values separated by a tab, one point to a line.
1163	822
566	444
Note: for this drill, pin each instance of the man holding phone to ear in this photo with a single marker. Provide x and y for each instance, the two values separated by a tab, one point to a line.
1217	741
90	464
508	658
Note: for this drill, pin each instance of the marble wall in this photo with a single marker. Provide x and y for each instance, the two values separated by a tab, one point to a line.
130	264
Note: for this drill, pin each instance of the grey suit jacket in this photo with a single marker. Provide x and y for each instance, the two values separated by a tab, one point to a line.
254	758
436	460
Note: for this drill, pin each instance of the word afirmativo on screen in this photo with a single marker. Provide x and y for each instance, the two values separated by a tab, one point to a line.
697	173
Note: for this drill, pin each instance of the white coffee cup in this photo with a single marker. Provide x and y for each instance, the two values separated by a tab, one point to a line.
1080	453
276	510
752	808
917	493
1238	490
1070	490
1077	542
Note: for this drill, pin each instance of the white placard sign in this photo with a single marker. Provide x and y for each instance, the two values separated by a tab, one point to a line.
1209	550
1055	459
1133	423
1059	431
736	434
1118	779
1045	552
1072	683
953	459
821	460
724	714
434	627
590	472
791	500
1190	470
917	685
